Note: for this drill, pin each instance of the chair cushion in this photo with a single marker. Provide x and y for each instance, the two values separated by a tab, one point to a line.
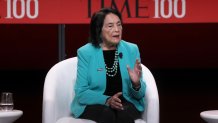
139	121
73	120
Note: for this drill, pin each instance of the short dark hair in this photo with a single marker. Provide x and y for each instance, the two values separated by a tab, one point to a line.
96	24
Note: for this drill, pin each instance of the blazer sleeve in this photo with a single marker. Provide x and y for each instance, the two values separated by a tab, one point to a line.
83	92
141	92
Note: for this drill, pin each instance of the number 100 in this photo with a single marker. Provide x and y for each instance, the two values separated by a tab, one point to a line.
172	8
24	9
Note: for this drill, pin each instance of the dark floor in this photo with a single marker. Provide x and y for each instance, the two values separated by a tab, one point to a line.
183	93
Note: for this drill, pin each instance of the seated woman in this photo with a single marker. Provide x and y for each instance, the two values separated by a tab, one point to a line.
109	88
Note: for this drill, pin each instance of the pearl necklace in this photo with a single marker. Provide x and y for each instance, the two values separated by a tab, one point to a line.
111	72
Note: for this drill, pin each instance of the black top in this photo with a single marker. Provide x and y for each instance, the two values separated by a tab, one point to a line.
113	84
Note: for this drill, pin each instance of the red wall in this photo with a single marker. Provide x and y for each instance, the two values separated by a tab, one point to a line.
28	46
161	45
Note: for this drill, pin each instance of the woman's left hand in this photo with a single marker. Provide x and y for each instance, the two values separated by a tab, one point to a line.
135	74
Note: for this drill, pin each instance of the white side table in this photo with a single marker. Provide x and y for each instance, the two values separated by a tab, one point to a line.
10	116
210	116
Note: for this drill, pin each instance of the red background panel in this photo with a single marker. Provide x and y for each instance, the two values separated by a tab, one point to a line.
162	45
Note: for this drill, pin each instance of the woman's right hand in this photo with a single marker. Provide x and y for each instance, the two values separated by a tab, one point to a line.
115	102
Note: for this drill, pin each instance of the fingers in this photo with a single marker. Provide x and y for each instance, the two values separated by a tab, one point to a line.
117	105
128	68
138	67
136	72
138	64
118	94
115	102
137	61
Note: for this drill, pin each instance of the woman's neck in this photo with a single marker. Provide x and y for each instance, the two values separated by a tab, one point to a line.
108	47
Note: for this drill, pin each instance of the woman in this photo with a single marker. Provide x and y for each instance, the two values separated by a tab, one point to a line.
109	88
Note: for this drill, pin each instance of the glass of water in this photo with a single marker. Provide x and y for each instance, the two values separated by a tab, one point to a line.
6	103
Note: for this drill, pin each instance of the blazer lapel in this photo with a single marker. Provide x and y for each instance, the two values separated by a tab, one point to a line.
101	72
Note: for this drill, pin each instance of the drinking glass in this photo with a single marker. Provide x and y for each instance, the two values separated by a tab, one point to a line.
6	103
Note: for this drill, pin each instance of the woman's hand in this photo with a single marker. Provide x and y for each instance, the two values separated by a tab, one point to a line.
135	74
114	101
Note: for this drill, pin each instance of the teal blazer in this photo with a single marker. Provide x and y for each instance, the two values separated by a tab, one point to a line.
91	77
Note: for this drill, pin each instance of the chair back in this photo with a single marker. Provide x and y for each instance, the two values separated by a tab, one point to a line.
58	92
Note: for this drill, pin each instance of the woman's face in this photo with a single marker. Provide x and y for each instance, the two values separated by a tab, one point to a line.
111	30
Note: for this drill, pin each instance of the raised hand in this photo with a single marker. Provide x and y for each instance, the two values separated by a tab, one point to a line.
136	73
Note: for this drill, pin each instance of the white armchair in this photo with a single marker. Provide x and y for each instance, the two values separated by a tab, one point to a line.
58	94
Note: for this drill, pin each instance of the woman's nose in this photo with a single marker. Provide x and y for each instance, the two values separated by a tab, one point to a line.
116	28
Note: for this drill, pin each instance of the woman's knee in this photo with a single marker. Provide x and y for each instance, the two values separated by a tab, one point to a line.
108	116
129	114
124	117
